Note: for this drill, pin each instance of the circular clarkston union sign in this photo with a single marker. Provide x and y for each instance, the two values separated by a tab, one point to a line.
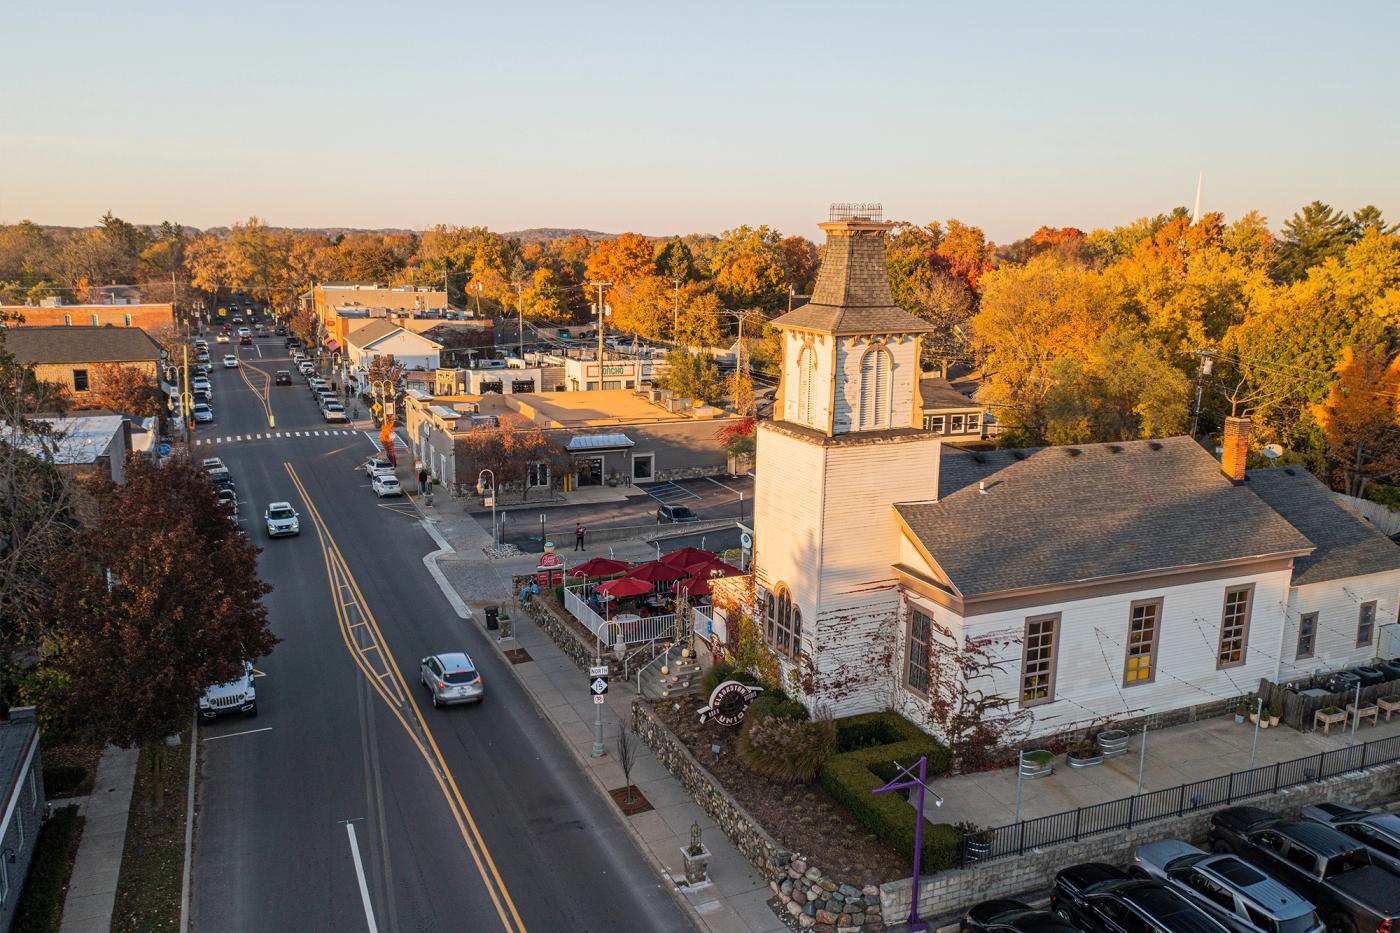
728	703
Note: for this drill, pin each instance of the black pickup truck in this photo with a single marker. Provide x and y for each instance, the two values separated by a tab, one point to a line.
1352	893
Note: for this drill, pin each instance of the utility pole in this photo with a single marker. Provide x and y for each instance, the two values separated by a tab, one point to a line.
1207	366
676	320
185	394
602	326
520	313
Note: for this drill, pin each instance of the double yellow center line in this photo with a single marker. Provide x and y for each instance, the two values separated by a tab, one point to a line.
369	649
262	394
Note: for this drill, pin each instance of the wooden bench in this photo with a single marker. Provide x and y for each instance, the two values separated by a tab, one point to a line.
1388	705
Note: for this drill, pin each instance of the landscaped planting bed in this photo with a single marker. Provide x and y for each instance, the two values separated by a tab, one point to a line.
804	818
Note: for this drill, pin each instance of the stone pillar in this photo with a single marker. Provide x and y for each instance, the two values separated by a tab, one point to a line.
1235	448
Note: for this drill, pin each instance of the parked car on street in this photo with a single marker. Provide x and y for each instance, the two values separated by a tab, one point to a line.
230	361
281	519
675	513
1237	894
333	411
1012	916
203	413
1351	891
451	678
245	341
1378	831
1104	898
209	464
236	696
228	499
386	484
283	378
376	465
244	332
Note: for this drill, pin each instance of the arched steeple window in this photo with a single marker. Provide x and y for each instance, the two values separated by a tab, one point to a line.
806	378
782	622
873	411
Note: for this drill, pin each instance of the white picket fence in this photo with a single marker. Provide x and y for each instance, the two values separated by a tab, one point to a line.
611	631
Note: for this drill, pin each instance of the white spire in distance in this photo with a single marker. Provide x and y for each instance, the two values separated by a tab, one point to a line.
1200	181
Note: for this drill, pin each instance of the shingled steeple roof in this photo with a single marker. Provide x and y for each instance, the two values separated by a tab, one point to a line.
853	287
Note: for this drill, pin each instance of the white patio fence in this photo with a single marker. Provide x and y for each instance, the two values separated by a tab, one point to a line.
628	631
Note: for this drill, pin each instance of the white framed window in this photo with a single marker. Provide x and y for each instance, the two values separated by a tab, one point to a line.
933	423
957	427
875	374
94	319
68	320
974	423
127	318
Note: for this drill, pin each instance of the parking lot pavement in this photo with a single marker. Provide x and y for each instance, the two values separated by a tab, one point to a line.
708	498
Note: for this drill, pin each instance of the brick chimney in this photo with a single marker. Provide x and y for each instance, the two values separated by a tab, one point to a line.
1235	448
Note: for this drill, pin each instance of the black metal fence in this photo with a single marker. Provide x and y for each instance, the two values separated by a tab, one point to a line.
1113	815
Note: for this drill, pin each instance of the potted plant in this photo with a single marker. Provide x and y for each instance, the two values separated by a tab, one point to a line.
1084	754
1037	763
977	842
1112	742
1253	709
1241	709
696	856
1275	713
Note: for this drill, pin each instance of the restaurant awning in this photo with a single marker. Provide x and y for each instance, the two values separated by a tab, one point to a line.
332	344
599	442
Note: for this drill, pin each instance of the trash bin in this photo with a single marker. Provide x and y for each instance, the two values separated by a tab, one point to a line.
492	617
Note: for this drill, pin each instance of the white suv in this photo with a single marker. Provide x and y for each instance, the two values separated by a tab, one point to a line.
281	519
236	696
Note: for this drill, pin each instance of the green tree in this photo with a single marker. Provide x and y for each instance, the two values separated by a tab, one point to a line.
544	299
1123	388
675	261
693	375
1369	218
1315	233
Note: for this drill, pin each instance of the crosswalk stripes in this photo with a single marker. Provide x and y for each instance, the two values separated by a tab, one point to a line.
270	435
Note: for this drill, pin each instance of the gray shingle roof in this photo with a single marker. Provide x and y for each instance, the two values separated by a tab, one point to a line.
1061	515
369	333
81	344
939	393
1347	544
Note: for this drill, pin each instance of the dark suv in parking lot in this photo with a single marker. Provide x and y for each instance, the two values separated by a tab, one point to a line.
1100	897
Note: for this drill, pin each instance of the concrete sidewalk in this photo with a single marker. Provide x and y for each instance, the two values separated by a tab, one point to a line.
1175	755
736	899
92	889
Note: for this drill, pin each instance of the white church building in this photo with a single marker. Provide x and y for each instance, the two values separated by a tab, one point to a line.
1104	582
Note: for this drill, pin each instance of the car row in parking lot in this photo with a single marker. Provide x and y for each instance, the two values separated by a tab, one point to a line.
1336	869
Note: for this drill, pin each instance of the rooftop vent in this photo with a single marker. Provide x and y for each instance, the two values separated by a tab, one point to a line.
979	458
1115	448
853	210
1155	445
1290	471
1073	451
982	487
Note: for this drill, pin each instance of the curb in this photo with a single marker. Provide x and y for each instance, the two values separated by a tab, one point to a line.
186	880
430	561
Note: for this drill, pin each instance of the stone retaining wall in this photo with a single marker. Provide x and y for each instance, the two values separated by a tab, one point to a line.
578	649
948	893
815	901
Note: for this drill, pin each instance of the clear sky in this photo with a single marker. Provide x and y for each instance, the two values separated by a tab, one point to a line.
678	117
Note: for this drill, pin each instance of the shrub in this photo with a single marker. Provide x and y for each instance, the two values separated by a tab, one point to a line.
786	749
61	780
42	901
728	670
771	703
852	776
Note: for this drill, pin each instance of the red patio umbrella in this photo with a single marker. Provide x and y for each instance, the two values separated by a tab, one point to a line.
714	567
655	572
598	567
695	586
624	586
686	555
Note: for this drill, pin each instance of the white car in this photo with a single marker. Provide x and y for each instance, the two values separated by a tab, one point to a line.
201	384
236	696
281	519
221	337
376	465
244	332
211	463
230	361
334	411
386	484
201	344
203	413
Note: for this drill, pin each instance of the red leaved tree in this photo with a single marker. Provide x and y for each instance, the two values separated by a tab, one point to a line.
158	599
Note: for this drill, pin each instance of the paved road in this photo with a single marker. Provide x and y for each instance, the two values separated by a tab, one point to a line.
350	803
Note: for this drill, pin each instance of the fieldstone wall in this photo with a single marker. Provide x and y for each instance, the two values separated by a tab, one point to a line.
815	901
948	893
578	649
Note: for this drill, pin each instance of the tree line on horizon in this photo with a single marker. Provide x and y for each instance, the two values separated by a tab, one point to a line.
1076	336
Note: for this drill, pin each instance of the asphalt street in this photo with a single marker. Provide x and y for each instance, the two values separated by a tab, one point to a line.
349	803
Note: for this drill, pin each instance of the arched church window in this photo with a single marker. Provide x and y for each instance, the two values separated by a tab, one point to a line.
806	377
783	622
875	375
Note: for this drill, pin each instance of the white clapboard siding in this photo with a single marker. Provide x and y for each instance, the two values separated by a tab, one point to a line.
1338	607
904	374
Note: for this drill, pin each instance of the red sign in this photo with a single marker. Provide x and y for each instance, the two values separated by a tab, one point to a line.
551	570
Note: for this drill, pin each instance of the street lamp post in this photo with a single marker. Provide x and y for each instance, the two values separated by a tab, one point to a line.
479	490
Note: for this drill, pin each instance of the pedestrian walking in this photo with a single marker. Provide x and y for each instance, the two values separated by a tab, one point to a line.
579	532
422	480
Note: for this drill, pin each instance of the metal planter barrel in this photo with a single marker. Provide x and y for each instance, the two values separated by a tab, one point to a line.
1113	742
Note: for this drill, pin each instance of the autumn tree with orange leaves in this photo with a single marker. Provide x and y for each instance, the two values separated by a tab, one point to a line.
1361	417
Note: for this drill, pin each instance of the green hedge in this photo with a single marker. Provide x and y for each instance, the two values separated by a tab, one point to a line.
41	904
852	776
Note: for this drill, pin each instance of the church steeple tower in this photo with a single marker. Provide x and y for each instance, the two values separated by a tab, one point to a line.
851	356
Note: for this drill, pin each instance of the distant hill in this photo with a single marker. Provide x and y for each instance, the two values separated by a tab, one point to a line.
536	234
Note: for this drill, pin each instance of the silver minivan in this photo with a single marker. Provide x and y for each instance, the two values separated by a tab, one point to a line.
451	678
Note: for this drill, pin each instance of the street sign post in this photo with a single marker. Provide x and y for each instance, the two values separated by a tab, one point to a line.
598	687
